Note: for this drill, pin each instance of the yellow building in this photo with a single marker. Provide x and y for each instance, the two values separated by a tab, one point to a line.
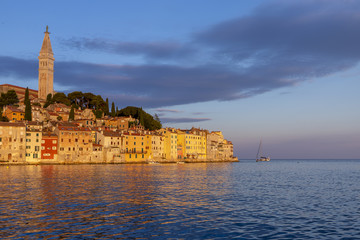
157	146
33	142
137	147
170	143
194	144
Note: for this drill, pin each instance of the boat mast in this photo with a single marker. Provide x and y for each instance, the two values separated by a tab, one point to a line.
259	150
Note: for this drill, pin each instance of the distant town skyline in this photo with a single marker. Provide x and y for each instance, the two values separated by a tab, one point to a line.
283	71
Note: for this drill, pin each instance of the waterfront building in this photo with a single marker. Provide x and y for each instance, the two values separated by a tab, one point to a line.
214	140
33	142
49	147
136	146
170	143
112	143
226	150
199	142
75	144
181	144
97	155
46	68
157	146
12	142
192	144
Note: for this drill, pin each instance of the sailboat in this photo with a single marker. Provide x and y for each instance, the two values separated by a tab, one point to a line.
260	158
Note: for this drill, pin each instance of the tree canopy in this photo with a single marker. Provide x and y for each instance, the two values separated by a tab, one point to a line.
144	118
9	98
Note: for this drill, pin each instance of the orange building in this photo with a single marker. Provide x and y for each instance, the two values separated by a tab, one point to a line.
14	114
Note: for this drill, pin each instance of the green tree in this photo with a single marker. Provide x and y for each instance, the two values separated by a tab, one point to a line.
107	107
3	118
9	98
61	98
98	113
72	114
27	106
148	121
77	98
156	117
49	100
113	109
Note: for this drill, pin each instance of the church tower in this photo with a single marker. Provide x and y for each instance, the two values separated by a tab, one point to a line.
46	68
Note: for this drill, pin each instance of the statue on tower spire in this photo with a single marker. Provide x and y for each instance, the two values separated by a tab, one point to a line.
47	28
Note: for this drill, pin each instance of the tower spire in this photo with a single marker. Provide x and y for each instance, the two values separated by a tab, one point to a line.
46	67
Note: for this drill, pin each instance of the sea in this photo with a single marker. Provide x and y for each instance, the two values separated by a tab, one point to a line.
280	199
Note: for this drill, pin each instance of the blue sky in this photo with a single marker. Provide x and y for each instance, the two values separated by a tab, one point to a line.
283	71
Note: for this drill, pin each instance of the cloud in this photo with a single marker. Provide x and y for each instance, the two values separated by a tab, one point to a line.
167	110
183	120
150	50
280	44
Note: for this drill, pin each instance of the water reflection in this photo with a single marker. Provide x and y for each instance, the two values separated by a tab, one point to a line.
190	201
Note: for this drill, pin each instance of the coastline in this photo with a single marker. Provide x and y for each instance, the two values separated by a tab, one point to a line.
162	161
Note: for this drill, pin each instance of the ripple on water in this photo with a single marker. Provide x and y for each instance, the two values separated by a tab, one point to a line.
280	200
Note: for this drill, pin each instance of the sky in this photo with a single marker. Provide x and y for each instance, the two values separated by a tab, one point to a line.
286	72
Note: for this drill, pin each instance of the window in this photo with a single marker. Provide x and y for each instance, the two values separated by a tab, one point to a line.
42	148
54	141
36	148
53	148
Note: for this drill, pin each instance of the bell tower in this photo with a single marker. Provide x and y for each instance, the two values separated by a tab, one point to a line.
46	68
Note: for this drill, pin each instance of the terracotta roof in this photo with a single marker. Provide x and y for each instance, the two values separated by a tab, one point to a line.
14	109
49	135
33	123
79	129
111	134
9	124
18	87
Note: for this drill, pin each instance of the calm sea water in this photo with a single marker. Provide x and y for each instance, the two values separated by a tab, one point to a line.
281	199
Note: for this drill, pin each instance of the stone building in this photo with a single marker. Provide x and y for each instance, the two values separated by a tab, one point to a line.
12	142
74	144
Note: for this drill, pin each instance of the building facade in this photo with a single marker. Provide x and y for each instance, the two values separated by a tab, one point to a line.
12	142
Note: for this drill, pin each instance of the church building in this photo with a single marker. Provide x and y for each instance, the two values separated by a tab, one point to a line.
46	68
